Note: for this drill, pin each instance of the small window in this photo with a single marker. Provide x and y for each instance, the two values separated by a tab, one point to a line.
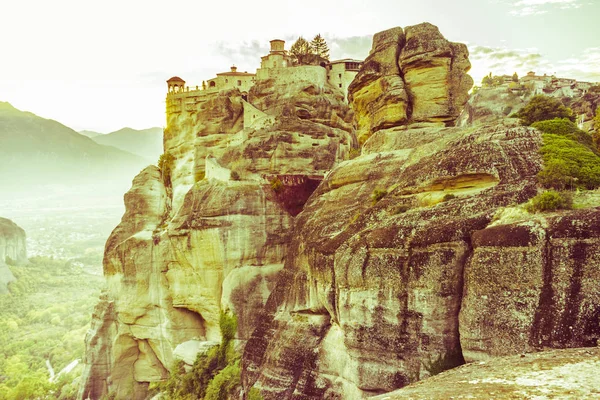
239	83
340	85
340	75
226	80
212	84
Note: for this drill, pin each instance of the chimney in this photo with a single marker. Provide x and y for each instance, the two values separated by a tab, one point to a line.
233	68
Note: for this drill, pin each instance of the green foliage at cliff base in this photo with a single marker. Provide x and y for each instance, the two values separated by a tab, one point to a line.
215	375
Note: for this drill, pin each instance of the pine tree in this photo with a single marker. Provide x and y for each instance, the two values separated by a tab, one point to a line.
319	47
515	77
300	49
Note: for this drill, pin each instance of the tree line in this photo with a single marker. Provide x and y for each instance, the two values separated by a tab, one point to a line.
310	53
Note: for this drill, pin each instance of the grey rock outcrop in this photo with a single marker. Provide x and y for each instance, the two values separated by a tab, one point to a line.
411	75
13	248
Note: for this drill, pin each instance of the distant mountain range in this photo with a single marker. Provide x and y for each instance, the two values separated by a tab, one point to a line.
147	143
43	151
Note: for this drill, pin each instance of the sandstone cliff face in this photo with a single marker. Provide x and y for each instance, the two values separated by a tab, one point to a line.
375	290
410	258
194	242
13	247
411	75
442	269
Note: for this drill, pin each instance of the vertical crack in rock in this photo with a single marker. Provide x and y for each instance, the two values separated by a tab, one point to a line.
541	332
567	324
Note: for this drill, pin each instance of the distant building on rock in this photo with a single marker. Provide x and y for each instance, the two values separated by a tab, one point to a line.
548	85
232	80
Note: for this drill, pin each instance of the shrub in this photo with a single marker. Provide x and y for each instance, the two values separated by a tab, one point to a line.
276	185
166	162
401	209
353	153
448	197
235	175
225	384
549	201
570	158
378	194
254	394
199	175
566	128
596	134
215	374
542	108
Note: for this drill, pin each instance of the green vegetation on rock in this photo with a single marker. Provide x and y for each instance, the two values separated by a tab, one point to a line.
319	47
199	176
448	197
550	200
166	162
378	194
542	108
570	158
314	52
276	185
215	375
596	134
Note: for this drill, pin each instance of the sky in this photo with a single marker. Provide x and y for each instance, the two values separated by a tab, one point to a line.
102	65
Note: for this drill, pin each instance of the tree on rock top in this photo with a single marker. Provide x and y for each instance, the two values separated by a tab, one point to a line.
319	47
315	52
300	50
543	108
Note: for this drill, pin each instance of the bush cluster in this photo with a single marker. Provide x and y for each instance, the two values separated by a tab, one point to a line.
549	201
215	375
542	108
570	158
378	194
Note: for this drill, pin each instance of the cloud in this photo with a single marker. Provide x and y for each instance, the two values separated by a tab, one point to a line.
523	8
584	67
357	47
244	53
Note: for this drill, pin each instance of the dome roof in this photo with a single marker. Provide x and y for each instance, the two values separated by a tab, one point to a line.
175	79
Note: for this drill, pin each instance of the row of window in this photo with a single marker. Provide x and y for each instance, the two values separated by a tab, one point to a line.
213	83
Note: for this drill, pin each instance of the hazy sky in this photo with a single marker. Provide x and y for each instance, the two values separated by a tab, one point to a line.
102	65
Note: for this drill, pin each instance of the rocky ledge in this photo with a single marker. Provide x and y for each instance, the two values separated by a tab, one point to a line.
558	374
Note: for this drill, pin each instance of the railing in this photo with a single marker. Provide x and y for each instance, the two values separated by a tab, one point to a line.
193	92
